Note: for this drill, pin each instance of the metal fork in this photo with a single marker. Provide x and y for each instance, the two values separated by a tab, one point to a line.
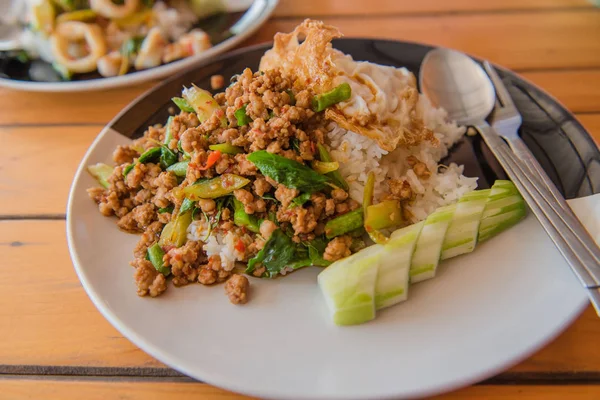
506	120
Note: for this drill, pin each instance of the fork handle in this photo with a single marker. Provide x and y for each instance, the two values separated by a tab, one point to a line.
522	152
582	262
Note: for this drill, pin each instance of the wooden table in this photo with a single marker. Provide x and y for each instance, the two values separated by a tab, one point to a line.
56	345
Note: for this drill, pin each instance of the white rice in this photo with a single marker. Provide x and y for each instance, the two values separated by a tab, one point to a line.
217	243
358	155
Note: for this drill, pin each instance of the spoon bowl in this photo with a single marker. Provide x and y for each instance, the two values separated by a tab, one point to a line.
453	81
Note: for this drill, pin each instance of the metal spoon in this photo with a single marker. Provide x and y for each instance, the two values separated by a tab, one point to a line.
454	81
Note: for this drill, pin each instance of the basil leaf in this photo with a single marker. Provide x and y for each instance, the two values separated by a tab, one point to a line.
277	253
289	173
167	157
186	206
301	199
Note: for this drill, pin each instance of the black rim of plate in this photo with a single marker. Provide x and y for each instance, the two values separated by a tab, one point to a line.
560	143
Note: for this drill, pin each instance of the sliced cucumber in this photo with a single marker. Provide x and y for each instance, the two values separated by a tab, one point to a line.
461	236
391	286
429	245
504	208
349	286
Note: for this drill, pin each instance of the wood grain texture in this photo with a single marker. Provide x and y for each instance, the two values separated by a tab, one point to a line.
292	8
51	322
42	162
90	390
516	40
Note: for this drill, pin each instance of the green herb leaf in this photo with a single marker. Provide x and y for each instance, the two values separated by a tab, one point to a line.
289	173
278	252
301	199
163	210
186	206
167	157
150	155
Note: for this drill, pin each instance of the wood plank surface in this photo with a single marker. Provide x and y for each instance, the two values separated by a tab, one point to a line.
51	322
91	390
519	41
26	153
293	8
56	345
537	41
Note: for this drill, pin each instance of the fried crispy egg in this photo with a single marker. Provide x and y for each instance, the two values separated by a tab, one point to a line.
383	103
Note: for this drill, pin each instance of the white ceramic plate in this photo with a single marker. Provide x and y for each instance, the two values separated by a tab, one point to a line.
253	18
483	313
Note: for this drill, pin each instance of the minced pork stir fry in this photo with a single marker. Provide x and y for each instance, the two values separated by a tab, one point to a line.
245	176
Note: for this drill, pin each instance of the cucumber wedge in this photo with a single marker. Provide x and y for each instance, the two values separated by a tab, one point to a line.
503	209
429	245
391	286
349	286
461	236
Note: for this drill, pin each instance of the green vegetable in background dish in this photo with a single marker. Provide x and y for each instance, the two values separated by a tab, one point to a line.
344	223
155	255
182	104
289	173
101	172
216	187
241	218
336	95
335	176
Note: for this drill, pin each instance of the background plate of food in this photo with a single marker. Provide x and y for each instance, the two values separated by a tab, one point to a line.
255	270
75	45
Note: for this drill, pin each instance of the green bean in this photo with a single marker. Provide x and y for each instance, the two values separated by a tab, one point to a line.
150	155
168	131
155	255
335	176
384	215
344	223
216	187
241	116
179	169
241	218
338	94
226	148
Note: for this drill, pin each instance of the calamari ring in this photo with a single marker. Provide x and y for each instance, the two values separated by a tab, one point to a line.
70	31
110	10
